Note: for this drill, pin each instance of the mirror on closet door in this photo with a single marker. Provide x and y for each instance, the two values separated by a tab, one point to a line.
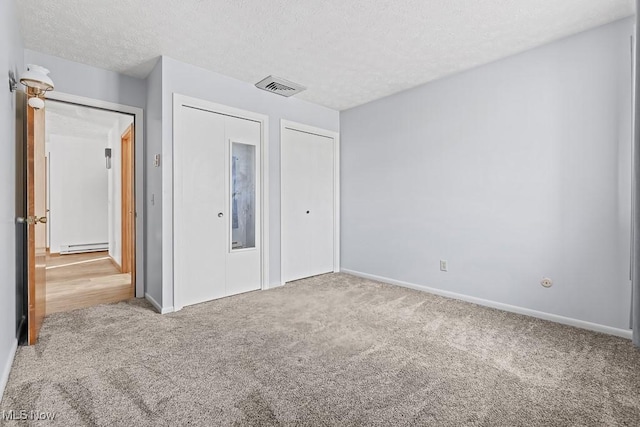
243	196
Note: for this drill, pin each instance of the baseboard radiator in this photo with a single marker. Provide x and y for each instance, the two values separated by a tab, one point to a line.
83	247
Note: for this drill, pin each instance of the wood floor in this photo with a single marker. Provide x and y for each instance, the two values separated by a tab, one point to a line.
82	280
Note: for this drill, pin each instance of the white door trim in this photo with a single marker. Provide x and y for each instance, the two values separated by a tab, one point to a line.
179	100
138	114
287	124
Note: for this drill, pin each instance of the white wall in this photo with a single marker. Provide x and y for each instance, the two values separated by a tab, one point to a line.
78	196
512	171
10	59
178	77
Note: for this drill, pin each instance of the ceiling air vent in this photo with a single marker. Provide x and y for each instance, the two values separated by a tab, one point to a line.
279	86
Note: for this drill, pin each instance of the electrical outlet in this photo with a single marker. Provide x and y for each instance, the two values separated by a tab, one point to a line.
546	282
443	265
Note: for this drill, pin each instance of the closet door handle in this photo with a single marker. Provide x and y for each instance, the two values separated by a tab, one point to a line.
307	211
220	215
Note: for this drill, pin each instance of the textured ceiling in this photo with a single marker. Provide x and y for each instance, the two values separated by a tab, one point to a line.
80	122
346	52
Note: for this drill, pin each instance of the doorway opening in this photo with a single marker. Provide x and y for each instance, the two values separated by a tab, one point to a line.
90	202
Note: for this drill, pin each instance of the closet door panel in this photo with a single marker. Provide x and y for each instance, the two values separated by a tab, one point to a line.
296	201
322	210
199	196
243	173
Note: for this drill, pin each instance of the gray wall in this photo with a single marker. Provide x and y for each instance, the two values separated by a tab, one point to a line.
512	171
10	59
153	185
184	79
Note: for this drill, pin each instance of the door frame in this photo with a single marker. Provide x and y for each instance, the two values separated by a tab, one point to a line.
287	124
138	126
263	119
36	254
127	226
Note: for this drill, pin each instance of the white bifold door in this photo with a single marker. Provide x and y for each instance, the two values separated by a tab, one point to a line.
217	217
307	173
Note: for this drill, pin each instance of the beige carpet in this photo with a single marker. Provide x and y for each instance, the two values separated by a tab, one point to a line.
331	350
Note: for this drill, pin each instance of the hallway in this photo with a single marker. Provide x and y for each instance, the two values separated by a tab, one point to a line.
83	280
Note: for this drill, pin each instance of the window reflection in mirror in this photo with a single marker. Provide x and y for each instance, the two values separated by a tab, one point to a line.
243	196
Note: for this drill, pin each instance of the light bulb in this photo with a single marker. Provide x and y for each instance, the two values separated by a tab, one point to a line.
36	103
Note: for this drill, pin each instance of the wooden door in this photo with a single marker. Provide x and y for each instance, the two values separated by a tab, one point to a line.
128	204
36	221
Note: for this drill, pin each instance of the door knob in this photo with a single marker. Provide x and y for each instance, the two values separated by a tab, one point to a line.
31	220
307	211
220	215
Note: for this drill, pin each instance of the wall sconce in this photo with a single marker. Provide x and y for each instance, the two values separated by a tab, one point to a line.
107	156
37	81
36	77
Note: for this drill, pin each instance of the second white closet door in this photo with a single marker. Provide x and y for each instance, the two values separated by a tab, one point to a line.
307	204
321	216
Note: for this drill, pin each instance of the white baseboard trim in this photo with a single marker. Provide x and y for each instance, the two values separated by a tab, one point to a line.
268	286
158	307
624	333
7	368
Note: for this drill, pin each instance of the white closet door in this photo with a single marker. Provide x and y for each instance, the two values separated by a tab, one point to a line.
199	199
321	217
243	204
296	201
307	204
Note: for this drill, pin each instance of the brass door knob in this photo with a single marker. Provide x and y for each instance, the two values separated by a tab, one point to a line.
31	220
